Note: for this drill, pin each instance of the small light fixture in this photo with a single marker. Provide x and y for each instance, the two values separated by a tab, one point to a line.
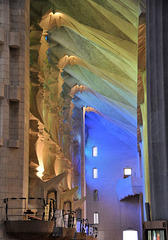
94	151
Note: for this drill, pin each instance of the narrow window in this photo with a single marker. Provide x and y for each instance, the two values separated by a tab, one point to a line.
127	172
95	173
96	218
94	151
95	195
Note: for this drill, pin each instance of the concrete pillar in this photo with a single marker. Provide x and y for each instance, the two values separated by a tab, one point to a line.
157	100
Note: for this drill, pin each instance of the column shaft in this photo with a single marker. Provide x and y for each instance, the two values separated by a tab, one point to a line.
157	100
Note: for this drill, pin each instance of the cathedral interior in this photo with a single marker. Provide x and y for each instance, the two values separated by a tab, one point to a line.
75	134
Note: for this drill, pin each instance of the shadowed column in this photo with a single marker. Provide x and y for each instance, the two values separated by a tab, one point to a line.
157	98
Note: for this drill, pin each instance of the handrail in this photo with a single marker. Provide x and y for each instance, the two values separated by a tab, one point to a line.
24	210
49	213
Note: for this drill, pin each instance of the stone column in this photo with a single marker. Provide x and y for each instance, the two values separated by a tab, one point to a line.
157	98
83	181
14	102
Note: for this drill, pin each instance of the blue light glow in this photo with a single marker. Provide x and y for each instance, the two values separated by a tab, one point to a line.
117	149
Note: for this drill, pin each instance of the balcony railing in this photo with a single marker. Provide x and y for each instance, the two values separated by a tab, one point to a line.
43	221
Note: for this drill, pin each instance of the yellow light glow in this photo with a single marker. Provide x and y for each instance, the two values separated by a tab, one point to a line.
40	170
57	13
39	151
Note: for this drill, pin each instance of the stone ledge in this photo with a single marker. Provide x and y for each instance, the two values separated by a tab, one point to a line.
13	143
1	142
14	94
14	41
1	89
2	36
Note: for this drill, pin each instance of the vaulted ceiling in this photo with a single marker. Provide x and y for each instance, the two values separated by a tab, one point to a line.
84	53
95	44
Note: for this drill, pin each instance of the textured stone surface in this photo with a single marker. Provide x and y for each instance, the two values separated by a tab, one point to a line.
1	90
13	144
1	36
157	85
14	84
1	142
14	94
14	40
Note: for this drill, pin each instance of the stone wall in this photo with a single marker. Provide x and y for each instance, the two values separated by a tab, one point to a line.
114	154
14	101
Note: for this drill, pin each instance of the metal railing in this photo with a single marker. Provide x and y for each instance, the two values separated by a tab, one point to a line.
16	209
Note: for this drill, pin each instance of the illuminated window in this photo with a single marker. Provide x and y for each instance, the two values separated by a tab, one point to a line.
94	151
130	235
96	218
127	172
95	173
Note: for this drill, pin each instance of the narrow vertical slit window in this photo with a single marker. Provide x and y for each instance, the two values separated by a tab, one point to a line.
95	173
94	151
95	195
96	218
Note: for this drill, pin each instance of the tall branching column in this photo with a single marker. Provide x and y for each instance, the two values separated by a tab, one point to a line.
83	182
